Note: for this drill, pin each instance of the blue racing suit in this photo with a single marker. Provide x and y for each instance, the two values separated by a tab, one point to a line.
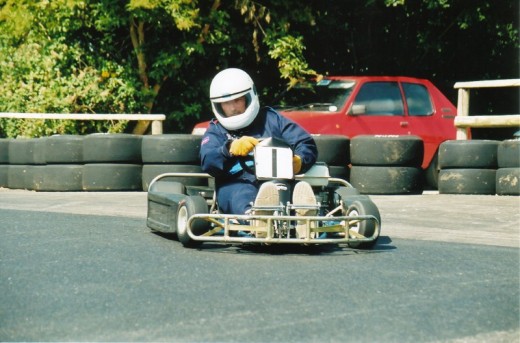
237	188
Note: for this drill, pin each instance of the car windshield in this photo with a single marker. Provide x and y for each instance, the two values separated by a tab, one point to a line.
325	95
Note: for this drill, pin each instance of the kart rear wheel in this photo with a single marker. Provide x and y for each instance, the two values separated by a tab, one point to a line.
188	207
367	228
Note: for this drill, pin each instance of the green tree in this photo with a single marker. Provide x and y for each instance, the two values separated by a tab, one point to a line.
158	56
137	56
45	69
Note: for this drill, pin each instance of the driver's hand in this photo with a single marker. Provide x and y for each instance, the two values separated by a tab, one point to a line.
296	164
242	146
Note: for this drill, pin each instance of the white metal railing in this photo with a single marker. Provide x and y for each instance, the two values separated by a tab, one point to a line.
463	121
156	119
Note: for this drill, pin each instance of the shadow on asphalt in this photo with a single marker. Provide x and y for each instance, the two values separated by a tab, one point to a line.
384	244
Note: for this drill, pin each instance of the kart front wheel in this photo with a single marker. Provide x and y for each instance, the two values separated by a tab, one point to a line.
367	228
188	207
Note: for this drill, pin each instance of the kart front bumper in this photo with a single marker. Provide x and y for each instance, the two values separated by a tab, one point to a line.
271	229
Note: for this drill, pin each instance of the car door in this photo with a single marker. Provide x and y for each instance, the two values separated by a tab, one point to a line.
377	109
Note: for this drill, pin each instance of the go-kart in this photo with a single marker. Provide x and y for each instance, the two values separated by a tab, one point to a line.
191	213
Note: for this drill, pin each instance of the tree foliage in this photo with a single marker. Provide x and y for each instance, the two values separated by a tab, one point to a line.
158	56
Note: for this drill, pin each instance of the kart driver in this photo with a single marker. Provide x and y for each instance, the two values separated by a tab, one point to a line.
232	135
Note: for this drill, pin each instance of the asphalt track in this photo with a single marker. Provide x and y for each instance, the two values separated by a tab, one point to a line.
84	267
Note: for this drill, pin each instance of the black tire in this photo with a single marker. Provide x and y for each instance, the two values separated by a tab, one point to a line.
366	227
4	151
187	207
171	148
4	170
27	151
467	181
58	178
66	149
508	181
431	174
110	148
480	154
386	180
112	177
333	149
348	195
340	172
150	171
404	151
508	154
162	186
17	176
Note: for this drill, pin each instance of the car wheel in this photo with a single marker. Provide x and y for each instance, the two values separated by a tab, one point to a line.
188	207
366	228
467	181
405	151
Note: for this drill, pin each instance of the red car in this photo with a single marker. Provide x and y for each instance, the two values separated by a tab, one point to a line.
371	105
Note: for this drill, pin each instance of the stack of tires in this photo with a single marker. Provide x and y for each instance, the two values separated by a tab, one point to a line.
26	158
334	150
386	164
112	162
468	166
63	169
4	161
171	153
508	172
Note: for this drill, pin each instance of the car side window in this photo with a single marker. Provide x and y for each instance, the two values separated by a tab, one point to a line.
379	98
417	99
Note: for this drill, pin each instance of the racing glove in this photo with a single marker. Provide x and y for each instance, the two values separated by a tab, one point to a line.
296	164
242	146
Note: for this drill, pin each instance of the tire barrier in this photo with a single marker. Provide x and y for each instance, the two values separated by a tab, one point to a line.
66	149
380	164
508	172
112	148
386	164
171	148
57	178
334	150
4	161
171	153
112	162
468	167
23	155
112	177
150	171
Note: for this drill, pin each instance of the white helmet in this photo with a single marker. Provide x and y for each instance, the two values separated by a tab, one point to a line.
230	84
